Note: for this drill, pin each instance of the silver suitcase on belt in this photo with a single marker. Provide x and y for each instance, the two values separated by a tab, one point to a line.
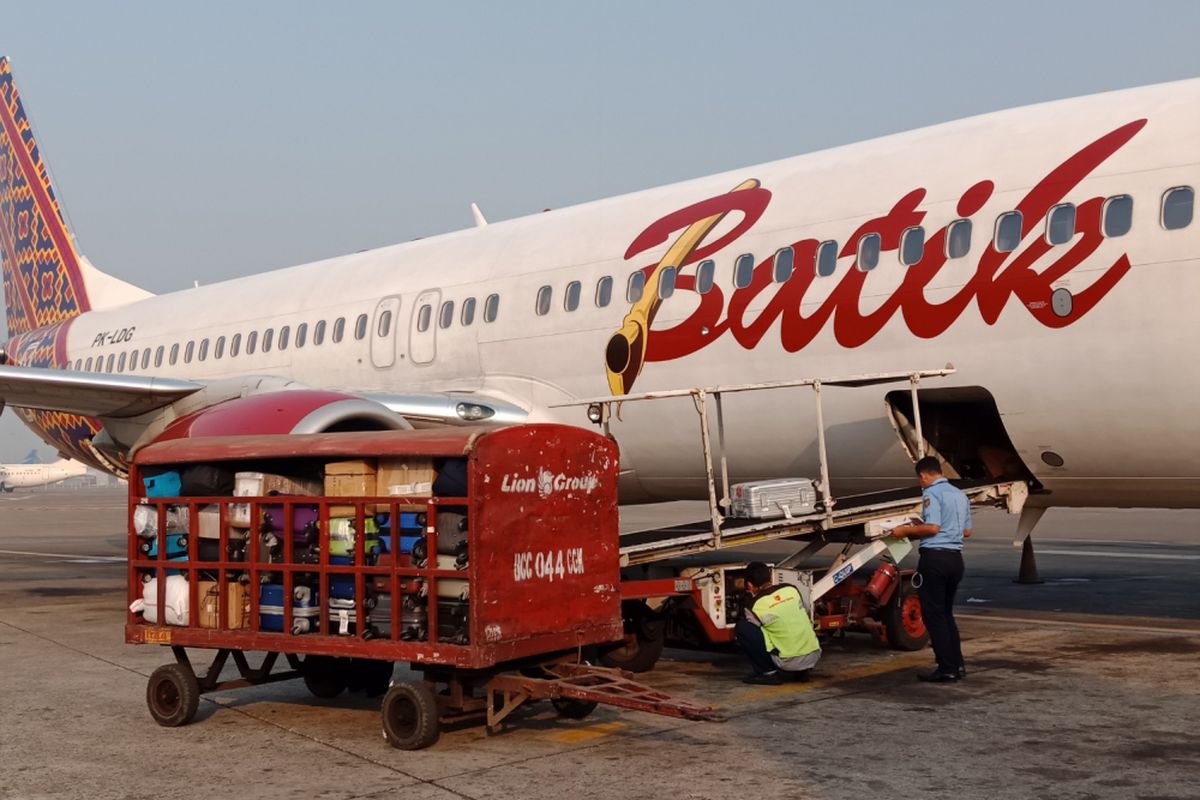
783	497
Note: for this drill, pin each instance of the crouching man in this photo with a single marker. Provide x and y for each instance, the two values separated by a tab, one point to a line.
775	632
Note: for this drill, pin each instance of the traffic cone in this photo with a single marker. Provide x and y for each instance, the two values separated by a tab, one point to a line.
1029	571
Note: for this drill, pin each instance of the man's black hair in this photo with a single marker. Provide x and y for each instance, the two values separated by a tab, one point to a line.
758	573
929	464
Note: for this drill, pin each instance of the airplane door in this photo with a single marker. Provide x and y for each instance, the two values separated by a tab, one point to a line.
383	333
422	344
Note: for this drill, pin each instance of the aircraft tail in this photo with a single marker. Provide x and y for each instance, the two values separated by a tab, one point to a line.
32	457
46	280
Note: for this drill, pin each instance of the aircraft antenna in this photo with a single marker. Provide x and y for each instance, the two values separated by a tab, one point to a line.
480	222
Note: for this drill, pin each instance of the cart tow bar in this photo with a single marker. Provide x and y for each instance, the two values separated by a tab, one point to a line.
588	684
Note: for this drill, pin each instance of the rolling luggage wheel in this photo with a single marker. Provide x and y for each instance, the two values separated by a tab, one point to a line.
173	695
410	716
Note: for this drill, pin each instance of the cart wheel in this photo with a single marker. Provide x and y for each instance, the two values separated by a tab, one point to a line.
571	708
323	677
173	695
370	675
410	716
902	619
645	636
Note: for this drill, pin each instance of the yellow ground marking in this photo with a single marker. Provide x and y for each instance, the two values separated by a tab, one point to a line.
575	735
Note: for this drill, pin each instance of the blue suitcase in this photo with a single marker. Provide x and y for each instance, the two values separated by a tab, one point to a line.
306	608
166	484
177	547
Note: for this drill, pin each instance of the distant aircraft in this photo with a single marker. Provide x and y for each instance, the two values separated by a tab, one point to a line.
32	457
1048	252
28	475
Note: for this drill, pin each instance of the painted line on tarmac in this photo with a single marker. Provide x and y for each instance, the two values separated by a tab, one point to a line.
76	557
1110	554
1062	623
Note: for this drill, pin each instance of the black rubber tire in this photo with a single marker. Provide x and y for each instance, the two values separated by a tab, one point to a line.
324	676
173	695
371	676
411	720
645	637
570	708
902	619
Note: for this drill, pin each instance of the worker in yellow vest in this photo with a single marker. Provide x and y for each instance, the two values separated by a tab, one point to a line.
776	632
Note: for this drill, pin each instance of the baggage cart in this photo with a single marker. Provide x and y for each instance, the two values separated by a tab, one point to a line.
498	598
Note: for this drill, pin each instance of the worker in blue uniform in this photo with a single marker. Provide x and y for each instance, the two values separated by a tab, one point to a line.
945	522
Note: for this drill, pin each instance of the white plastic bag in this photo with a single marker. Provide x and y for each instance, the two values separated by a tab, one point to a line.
176	601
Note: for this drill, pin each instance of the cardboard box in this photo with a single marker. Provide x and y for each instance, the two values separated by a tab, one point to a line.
237	605
265	484
404	477
350	479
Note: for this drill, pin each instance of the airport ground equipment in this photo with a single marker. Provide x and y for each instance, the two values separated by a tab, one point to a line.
667	596
493	590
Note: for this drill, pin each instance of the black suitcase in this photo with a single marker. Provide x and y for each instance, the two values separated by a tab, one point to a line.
454	622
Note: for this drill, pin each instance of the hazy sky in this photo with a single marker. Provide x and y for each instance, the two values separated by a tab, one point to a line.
210	140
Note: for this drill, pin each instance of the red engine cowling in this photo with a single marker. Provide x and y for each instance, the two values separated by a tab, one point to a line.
282	412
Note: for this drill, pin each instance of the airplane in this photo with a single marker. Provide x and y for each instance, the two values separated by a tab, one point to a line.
1048	252
28	475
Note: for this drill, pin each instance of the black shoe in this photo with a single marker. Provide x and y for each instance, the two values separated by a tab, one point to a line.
937	676
767	679
962	673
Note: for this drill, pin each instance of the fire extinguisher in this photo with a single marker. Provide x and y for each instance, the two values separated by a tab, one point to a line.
881	581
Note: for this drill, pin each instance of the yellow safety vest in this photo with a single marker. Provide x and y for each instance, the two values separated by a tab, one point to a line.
786	626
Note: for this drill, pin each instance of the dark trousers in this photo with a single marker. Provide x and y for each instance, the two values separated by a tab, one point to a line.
750	638
941	571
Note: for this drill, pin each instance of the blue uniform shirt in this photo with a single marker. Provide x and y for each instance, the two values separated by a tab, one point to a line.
948	508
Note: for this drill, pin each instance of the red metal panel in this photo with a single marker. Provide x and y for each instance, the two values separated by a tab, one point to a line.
546	541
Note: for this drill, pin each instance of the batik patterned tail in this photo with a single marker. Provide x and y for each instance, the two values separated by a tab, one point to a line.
43	284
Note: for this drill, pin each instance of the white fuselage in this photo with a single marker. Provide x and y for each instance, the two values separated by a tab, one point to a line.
27	476
1112	392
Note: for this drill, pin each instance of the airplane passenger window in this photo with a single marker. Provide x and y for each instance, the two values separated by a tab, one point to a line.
360	327
302	334
912	245
133	360
446	315
635	287
108	367
958	238
188	352
705	273
604	291
174	354
1177	207
827	255
1118	215
423	317
491	308
235	345
146	358
219	348
87	365
468	311
1060	224
121	363
868	252
571	297
268	338
1008	232
785	262
78	364
542	306
385	324
339	328
319	333
251	342
285	334
158	356
666	282
203	354
743	270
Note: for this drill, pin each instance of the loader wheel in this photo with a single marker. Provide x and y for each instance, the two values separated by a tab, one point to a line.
902	619
643	643
410	716
570	708
324	676
173	695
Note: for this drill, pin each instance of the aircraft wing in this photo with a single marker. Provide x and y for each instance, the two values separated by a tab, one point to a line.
89	394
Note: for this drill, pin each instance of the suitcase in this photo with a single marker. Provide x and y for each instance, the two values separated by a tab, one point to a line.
237	605
145	519
414	619
306	608
164	484
342	539
265	484
205	480
177	547
382	584
452	533
454	622
451	478
209	538
342	615
379	617
784	497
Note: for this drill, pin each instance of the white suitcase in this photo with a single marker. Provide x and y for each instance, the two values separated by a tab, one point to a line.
784	497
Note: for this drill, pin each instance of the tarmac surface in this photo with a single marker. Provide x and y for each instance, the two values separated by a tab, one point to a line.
1084	686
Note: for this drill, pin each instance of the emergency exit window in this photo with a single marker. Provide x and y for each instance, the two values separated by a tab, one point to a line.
424	316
